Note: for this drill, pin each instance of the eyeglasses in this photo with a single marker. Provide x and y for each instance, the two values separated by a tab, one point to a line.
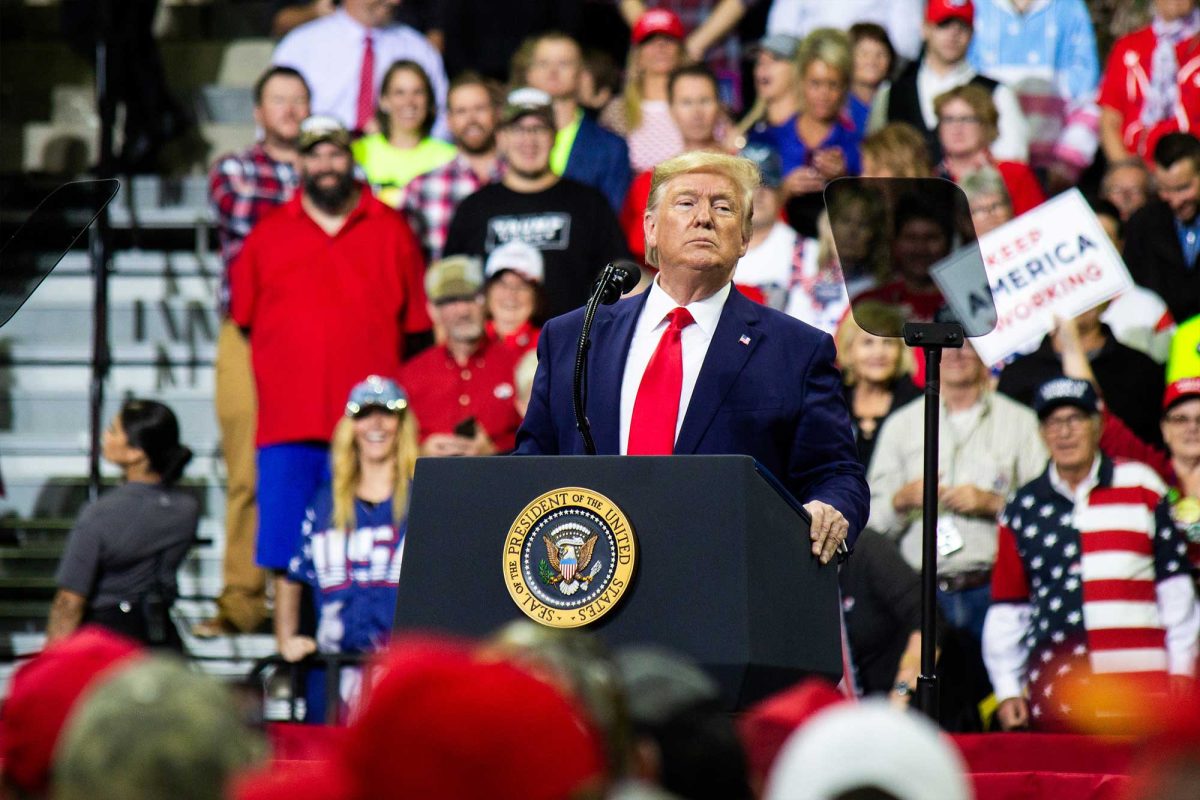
989	209
1182	421
1064	423
966	120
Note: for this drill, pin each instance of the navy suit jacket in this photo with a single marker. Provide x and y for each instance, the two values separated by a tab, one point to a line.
768	388
600	158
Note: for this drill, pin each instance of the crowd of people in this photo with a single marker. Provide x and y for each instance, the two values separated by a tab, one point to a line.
398	236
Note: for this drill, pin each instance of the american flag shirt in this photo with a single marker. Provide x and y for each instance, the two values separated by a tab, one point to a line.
242	188
428	201
1086	576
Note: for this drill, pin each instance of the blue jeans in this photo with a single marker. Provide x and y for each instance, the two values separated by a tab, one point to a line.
288	477
965	610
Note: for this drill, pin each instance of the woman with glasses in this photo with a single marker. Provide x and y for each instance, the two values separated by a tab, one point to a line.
967	126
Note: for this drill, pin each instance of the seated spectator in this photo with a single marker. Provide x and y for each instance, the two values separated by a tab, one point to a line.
429	200
367	40
43	693
570	223
1149	89
967	129
1046	52
155	730
876	372
403	147
989	445
1082	533
874	59
329	288
817	144
695	107
1162	240
881	606
949	26
776	87
641	114
1181	433
1138	317
243	187
515	273
910	759
897	150
988	199
1131	382
583	151
1127	185
118	569
901	20
462	391
352	539
775	249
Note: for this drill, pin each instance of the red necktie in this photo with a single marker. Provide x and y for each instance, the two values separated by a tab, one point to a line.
656	407
366	86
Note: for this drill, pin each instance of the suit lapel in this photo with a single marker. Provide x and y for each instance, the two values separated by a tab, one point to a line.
611	337
732	343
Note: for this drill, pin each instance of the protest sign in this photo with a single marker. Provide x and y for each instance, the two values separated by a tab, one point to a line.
1052	261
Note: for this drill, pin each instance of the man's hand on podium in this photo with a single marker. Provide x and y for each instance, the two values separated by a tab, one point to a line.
829	529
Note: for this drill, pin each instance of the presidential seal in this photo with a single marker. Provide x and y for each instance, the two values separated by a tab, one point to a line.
569	557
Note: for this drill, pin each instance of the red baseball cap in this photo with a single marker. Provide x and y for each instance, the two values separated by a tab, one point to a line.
657	21
43	694
1180	390
940	11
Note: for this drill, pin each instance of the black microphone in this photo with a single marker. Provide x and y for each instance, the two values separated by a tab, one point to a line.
617	278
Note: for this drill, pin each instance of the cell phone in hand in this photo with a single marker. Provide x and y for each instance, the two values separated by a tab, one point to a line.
466	428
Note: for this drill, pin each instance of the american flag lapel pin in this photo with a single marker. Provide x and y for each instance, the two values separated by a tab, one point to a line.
745	339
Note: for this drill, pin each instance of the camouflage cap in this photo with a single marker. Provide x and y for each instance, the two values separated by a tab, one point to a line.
154	731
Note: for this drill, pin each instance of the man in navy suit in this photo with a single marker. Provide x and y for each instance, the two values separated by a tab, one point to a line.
748	379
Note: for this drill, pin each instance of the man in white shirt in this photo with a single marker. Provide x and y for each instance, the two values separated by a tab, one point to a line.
948	28
344	55
900	18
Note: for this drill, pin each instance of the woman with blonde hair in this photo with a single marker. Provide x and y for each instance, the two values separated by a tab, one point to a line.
353	534
876	371
897	150
641	114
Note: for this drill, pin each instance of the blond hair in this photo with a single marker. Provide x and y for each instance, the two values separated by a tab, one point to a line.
881	317
347	471
981	103
742	171
901	149
831	47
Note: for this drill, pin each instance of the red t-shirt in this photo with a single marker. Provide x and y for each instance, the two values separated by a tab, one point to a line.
324	311
441	393
1024	191
520	341
1123	89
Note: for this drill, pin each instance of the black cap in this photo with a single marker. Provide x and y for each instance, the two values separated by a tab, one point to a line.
1065	392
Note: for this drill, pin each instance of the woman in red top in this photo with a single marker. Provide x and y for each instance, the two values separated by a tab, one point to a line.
513	295
967	126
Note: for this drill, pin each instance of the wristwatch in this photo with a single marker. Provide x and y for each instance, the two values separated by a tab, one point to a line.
902	688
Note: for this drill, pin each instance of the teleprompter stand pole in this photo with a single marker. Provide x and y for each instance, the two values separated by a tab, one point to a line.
932	338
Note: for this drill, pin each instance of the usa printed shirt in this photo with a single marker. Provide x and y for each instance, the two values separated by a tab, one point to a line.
354	574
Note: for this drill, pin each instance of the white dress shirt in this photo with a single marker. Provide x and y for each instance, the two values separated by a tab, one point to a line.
646	335
900	18
328	52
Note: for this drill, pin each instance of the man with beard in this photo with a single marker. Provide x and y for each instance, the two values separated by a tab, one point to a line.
328	289
462	390
244	187
429	200
570	223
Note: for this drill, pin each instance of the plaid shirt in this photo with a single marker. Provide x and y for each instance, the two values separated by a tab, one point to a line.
243	187
428	201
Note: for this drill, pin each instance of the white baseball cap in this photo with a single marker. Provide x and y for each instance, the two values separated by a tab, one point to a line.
521	258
